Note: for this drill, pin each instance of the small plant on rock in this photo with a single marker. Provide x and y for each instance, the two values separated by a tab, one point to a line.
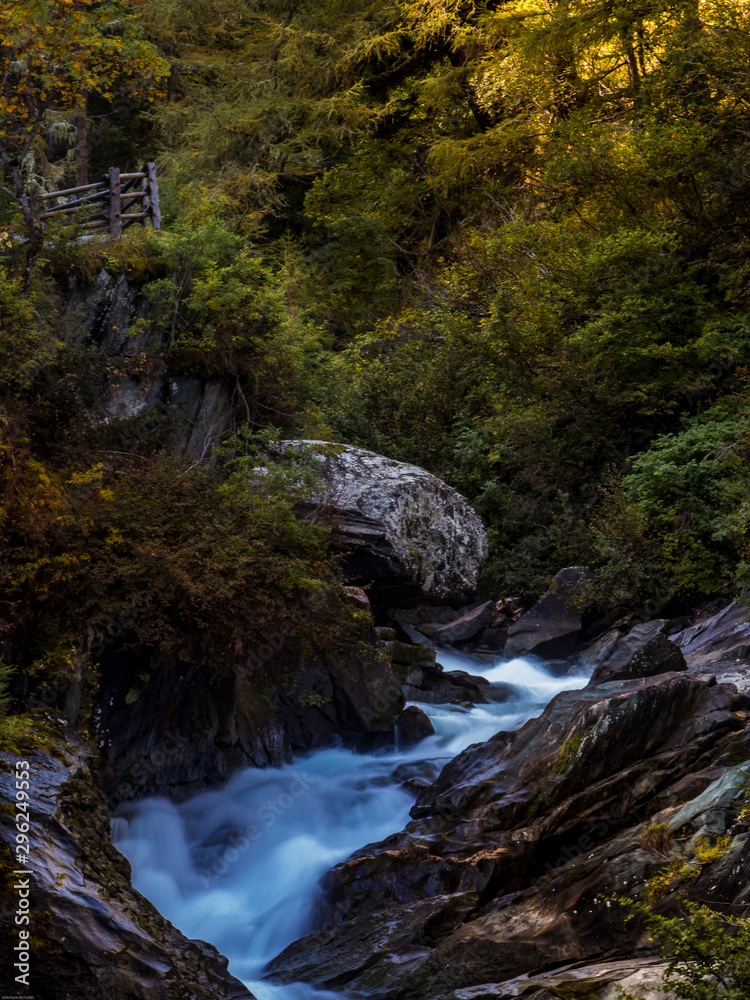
569	750
708	952
657	839
685	865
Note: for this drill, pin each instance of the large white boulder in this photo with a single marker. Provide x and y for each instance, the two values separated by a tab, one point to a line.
405	534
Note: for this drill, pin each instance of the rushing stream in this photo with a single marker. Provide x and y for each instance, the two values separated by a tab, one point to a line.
239	865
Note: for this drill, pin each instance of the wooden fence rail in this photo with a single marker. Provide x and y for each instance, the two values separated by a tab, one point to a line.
111	205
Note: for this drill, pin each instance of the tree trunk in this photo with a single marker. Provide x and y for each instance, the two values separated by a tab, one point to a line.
82	150
634	75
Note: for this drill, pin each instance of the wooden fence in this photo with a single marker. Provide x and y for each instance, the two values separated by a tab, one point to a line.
115	203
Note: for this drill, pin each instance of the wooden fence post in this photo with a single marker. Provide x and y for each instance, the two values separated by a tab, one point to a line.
153	188
115	203
108	205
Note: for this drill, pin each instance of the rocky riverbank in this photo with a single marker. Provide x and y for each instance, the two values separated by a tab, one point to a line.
505	881
515	853
92	935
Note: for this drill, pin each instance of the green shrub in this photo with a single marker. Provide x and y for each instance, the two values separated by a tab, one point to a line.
708	952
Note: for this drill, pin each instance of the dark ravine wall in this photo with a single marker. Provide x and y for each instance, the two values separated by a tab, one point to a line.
193	725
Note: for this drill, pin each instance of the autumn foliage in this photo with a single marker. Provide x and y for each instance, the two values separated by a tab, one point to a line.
54	54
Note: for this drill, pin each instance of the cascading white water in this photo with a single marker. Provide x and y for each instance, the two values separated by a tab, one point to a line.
239	865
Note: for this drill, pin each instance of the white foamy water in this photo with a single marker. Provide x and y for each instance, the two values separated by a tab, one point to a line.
239	866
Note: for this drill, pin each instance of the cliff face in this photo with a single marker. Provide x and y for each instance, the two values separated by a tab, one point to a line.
116	317
91	934
191	726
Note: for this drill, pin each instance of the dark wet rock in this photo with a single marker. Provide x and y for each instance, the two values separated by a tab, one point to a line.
480	628
416	775
598	650
386	634
114	314
599	981
403	654
425	680
201	412
502	870
561	668
687	788
468	626
424	614
708	811
189	726
719	645
403	532
491	640
581	739
413	726
436	686
94	936
675	625
357	597
644	652
551	629
620	642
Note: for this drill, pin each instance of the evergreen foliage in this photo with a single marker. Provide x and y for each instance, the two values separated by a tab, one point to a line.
504	241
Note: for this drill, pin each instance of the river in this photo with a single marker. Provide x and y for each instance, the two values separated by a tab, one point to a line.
239	865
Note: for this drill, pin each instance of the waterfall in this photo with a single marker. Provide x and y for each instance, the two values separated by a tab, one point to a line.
239	865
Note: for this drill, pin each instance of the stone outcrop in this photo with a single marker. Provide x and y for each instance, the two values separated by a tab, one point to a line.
93	936
404	533
482	629
644	652
600	981
189	727
114	316
552	628
436	686
503	871
719	645
424	680
413	726
468	626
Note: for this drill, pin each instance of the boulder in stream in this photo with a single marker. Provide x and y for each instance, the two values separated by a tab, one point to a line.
414	726
406	534
551	629
435	686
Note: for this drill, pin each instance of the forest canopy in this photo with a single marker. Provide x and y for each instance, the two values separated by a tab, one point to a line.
505	241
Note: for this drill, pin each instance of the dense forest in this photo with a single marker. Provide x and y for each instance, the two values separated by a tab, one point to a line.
506	241
503	241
